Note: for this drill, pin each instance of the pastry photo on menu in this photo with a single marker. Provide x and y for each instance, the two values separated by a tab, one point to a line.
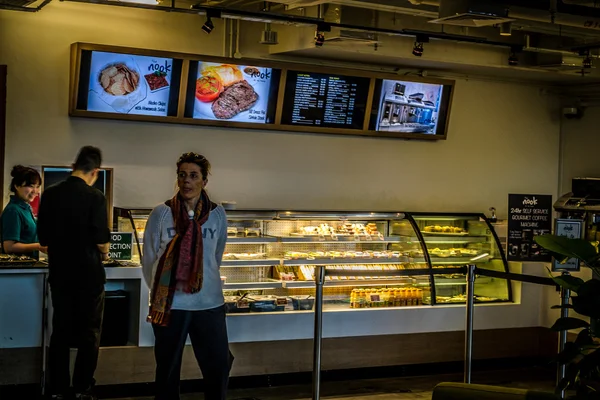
231	92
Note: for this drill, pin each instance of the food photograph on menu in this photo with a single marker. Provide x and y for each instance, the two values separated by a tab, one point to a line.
229	92
130	84
409	107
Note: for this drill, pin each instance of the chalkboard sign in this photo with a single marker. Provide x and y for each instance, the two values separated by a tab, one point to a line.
121	244
529	216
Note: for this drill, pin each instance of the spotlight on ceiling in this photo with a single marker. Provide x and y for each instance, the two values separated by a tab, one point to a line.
208	25
587	61
513	59
320	33
506	29
418	48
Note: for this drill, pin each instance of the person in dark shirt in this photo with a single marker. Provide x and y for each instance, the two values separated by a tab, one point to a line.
73	224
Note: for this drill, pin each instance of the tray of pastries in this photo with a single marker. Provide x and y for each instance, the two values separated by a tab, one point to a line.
444	230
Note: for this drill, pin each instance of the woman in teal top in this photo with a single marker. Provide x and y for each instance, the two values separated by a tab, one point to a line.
19	228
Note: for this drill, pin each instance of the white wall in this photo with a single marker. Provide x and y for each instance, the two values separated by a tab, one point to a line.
503	137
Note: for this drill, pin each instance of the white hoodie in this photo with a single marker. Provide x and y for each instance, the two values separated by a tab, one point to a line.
160	230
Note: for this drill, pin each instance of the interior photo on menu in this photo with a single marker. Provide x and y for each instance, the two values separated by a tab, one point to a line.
130	84
229	92
409	107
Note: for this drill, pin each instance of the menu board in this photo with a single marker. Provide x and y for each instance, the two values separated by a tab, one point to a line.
228	92
529	216
324	100
408	107
130	84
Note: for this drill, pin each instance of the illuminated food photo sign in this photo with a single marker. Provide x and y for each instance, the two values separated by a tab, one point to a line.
229	92
129	84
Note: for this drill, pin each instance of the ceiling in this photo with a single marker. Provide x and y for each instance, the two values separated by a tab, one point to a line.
551	43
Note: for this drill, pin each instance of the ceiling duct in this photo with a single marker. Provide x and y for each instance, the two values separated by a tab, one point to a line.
471	13
352	16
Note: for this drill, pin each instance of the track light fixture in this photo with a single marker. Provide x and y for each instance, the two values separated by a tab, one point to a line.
587	61
513	59
208	25
418	48
320	33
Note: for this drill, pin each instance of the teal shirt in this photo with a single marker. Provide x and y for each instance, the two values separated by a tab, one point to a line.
18	222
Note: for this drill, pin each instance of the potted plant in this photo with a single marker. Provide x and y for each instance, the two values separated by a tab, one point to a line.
581	356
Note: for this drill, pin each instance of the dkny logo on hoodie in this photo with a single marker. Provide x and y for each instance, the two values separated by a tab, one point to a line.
207	233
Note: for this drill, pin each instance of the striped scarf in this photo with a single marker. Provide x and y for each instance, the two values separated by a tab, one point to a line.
181	265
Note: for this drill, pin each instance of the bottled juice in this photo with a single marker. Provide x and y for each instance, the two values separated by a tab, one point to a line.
362	300
353	299
420	297
391	298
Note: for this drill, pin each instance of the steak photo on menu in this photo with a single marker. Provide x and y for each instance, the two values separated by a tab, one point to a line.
232	92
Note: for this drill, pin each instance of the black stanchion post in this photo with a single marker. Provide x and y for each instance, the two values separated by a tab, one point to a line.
318	335
565	294
469	322
44	333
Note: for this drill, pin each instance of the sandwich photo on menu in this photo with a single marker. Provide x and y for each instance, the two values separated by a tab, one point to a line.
232	92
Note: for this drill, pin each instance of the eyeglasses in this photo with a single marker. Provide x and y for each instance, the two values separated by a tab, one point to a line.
195	156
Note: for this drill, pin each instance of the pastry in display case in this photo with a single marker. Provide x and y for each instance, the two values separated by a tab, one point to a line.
270	258
453	240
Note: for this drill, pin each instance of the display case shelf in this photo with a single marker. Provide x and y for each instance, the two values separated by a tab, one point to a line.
400	281
340	239
345	261
251	240
251	263
266	285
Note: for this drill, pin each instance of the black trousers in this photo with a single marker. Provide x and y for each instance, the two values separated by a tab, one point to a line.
77	322
208	332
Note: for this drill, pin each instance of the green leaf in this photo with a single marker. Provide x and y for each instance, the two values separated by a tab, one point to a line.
587	305
568	248
568	323
569	282
590	288
569	354
561	306
584	338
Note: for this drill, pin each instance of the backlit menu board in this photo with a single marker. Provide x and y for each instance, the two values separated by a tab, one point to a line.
324	100
229	92
130	84
409	107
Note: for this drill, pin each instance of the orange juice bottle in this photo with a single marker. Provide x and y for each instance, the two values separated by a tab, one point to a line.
353	299
391	298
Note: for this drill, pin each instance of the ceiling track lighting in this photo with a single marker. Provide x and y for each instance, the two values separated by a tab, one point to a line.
208	25
320	33
418	47
587	61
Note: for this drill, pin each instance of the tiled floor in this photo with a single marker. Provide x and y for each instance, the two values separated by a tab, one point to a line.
406	388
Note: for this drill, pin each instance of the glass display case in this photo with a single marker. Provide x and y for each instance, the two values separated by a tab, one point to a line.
451	240
270	258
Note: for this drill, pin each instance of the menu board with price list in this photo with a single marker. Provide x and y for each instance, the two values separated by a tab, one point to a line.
325	100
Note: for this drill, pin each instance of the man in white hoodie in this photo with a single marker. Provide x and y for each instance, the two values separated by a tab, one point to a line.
184	243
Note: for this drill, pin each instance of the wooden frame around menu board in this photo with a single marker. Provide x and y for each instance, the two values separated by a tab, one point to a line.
75	73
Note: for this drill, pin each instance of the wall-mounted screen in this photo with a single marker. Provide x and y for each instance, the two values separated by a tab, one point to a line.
325	100
129	84
229	92
410	107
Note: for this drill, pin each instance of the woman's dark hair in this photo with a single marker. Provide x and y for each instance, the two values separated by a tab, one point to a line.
195	158
24	176
88	159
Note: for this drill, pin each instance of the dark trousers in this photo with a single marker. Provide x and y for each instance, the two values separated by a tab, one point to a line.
208	333
77	322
